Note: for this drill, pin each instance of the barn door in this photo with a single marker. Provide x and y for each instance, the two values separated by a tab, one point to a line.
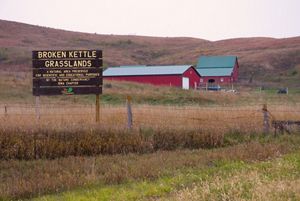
185	83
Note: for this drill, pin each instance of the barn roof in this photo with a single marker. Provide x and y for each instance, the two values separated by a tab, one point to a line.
215	71
216	61
216	65
146	70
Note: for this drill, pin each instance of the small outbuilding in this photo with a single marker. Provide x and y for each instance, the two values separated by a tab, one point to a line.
218	69
184	76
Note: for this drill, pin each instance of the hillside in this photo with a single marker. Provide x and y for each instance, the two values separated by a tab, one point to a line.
268	59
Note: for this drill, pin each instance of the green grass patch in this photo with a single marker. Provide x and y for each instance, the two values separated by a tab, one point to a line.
285	168
146	189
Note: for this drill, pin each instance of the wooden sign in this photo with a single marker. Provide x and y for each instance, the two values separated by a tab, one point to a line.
67	72
67	54
79	63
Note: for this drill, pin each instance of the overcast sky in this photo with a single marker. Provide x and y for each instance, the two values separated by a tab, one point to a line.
207	19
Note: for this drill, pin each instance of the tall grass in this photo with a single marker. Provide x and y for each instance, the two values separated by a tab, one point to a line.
72	131
61	142
77	145
25	179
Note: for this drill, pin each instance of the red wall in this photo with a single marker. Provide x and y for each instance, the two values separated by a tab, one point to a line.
235	72
193	76
226	79
167	80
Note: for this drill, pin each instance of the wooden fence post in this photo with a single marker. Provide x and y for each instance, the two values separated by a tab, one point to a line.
266	119
129	113
97	108
5	111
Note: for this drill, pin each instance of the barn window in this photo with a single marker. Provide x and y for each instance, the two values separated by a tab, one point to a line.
201	80
222	79
211	81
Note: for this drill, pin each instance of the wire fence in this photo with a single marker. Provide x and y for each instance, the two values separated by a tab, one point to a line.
247	118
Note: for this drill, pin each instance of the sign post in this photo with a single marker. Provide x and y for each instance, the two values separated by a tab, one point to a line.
97	108
67	72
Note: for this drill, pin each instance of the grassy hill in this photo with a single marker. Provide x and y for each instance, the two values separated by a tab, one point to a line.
269	60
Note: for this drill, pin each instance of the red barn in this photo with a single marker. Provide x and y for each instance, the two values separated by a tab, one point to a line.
218	69
184	76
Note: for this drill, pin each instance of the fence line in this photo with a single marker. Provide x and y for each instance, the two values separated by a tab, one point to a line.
10	109
159	115
22	104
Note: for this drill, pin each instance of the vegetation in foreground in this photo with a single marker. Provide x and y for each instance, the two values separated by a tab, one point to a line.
50	144
277	179
72	143
230	172
154	128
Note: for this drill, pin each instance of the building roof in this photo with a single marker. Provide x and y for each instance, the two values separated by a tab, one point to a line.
215	71
216	61
216	65
146	70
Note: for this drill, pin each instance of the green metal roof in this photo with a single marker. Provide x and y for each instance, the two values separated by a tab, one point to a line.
216	61
216	65
214	71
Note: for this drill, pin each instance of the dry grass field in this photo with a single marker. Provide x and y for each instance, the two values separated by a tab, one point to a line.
164	139
22	179
173	131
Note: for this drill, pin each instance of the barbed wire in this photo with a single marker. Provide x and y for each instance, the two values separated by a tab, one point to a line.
34	114
148	112
136	112
45	106
148	117
64	104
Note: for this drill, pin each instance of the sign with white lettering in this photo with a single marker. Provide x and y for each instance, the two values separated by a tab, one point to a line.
57	72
